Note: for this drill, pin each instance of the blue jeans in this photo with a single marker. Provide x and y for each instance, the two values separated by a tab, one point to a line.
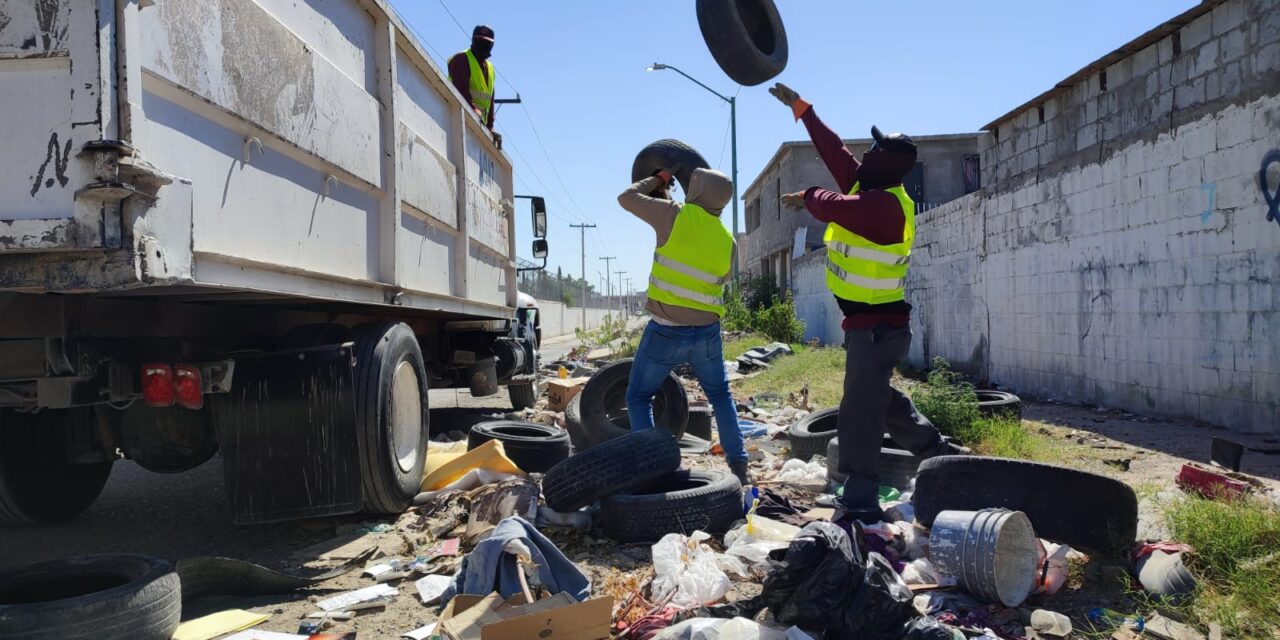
664	348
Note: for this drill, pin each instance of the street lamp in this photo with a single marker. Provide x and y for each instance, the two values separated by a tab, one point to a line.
733	127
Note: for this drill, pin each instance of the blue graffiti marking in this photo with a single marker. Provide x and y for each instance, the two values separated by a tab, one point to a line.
1212	190
1272	198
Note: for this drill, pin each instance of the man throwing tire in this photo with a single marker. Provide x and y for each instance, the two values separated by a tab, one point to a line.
686	300
871	224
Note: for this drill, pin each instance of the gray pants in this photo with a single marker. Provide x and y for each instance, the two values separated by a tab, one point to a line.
872	407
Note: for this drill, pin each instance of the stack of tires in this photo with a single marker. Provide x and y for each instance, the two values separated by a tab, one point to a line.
644	495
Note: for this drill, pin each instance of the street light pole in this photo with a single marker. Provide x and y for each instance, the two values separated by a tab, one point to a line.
608	283
733	132
583	302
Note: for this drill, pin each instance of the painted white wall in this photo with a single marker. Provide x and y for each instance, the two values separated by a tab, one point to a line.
559	319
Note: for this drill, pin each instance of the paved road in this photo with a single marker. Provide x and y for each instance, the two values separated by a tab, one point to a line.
185	514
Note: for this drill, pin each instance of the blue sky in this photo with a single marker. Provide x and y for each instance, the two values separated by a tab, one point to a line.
921	67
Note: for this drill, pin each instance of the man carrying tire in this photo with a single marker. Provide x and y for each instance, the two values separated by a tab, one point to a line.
686	300
870	229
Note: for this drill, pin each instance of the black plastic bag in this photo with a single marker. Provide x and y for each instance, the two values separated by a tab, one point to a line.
927	628
823	581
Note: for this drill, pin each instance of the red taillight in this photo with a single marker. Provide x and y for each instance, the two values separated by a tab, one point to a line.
187	386
157	385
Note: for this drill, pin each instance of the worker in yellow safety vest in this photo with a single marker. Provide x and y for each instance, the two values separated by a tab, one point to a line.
691	266
472	74
871	226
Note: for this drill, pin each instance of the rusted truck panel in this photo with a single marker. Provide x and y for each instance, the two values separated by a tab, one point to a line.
307	149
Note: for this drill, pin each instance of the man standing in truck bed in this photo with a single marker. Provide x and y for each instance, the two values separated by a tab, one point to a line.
870	230
686	301
472	75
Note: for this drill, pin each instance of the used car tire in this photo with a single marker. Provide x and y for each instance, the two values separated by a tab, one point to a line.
38	485
534	448
672	155
993	403
897	466
679	502
391	414
746	38
612	467
602	409
700	422
1082	509
809	435
107	597
579	437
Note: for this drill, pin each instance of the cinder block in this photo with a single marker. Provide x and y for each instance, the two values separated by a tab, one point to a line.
1155	182
1228	16
1267	60
1187	174
1234	126
1197	32
1232	46
1206	58
1189	94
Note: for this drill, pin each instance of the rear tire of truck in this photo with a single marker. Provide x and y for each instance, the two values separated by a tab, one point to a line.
38	485
391	414
523	396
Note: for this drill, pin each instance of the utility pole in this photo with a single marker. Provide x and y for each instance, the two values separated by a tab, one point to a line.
583	303
621	301
608	283
630	295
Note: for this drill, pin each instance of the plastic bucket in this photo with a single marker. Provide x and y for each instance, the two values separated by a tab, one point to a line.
992	553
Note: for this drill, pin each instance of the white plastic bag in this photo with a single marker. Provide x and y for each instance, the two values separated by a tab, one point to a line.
690	572
922	571
803	473
753	540
717	629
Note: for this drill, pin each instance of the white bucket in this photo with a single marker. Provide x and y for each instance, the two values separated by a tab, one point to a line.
992	553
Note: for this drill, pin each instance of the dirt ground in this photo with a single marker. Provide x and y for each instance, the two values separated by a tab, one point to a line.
184	515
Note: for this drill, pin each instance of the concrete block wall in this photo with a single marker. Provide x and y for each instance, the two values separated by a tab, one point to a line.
1134	267
1148	279
559	319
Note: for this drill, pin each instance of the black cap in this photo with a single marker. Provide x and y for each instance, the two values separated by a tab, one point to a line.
896	142
483	31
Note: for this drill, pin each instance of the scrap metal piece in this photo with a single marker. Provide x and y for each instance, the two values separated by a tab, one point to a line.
211	576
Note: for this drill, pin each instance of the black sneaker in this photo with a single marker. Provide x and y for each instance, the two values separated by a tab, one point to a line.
947	448
740	470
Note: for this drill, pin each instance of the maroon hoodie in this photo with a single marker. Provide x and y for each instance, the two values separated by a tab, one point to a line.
872	213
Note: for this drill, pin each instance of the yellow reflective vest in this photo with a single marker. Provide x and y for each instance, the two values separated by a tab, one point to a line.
863	271
691	269
481	85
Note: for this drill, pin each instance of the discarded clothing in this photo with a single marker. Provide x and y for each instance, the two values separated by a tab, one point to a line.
776	506
927	628
714	629
493	503
652	624
490	568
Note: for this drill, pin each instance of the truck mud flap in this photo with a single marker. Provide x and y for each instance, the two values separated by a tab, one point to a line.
288	436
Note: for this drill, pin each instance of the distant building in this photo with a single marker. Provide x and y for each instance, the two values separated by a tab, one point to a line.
948	168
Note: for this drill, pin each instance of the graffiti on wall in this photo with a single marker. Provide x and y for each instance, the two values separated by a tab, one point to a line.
1272	197
1211	190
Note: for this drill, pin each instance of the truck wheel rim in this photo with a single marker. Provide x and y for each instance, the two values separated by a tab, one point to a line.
406	415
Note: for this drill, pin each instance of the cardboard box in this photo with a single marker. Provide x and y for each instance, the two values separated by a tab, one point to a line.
560	392
558	617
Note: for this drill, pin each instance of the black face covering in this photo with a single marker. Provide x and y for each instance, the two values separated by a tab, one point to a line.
481	47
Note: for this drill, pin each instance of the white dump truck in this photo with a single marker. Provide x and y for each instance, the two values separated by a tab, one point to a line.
259	229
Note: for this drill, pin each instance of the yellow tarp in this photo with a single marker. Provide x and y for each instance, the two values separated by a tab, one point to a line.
216	624
446	467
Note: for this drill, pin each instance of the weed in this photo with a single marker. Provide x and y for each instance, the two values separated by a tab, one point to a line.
1236	561
948	401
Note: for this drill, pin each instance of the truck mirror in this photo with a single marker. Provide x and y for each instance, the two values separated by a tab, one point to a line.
540	249
539	217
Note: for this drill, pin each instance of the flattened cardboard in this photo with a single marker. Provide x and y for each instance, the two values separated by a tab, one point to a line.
510	621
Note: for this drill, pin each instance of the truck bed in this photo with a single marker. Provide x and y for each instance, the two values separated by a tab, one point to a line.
247	149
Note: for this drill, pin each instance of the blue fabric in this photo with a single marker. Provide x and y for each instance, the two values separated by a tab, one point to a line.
664	348
488	568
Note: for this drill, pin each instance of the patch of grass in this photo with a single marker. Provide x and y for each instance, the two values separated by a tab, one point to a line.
1008	438
1236	562
821	368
